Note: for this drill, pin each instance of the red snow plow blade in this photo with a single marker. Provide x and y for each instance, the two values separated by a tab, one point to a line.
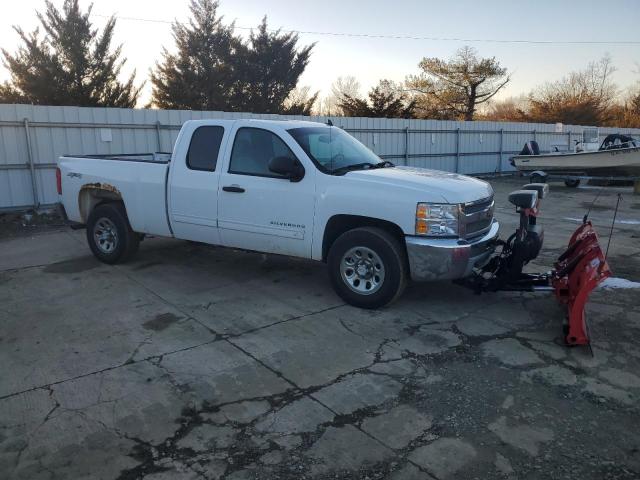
577	272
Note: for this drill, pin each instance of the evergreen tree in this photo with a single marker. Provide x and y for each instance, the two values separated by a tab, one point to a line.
72	65
205	72
213	69
272	68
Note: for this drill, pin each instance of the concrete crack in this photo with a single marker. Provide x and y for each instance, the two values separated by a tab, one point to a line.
209	304
310	395
299	317
146	341
187	315
47	417
107	369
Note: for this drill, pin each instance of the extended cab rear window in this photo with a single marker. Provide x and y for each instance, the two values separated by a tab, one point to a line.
204	148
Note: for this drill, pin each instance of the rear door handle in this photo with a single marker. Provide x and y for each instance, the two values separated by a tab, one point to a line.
233	189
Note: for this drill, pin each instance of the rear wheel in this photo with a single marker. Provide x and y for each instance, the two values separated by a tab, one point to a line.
572	183
109	234
367	267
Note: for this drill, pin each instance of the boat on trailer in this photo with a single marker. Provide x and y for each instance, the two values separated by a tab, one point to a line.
618	156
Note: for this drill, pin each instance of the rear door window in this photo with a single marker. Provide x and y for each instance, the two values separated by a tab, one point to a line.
204	148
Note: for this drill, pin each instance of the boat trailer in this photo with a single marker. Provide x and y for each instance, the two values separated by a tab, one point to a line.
573	179
576	272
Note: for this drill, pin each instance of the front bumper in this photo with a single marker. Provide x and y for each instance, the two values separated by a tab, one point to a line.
448	258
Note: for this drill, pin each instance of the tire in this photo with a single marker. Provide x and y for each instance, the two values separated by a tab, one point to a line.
572	183
367	267
109	234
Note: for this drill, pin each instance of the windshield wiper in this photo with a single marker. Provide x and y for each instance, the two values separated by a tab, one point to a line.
362	166
355	166
383	164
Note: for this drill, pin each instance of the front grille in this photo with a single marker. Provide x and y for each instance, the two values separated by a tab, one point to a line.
477	217
477	228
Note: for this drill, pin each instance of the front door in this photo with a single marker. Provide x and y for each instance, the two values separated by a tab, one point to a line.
258	209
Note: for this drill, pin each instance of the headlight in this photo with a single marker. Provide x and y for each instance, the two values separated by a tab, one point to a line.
437	219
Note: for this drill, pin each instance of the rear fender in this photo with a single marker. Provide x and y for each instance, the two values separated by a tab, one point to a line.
93	194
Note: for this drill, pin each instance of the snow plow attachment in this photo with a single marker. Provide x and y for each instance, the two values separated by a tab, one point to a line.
577	272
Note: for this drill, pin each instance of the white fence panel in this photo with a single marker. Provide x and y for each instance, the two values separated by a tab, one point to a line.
33	137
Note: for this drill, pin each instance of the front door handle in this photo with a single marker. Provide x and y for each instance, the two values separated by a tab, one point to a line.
233	189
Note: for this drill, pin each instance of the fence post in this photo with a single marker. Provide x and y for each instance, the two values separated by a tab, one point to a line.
32	167
457	150
499	165
158	135
406	146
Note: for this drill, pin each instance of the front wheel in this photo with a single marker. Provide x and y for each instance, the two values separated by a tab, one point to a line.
367	267
109	234
572	183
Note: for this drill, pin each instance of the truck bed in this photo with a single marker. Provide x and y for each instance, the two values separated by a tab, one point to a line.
140	180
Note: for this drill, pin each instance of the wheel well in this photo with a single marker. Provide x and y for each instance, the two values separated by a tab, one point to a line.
94	194
339	224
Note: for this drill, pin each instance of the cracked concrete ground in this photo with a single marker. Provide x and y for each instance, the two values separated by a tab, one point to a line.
199	362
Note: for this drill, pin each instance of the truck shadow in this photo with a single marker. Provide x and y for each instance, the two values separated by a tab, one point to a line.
74	265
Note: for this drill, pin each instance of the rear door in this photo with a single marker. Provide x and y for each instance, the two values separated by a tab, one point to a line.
260	210
194	178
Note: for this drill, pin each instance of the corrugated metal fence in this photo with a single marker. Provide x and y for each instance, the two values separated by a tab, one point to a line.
33	137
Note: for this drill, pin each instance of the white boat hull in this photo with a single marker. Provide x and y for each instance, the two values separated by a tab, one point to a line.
614	162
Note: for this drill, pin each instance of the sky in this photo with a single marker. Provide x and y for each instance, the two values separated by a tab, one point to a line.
465	22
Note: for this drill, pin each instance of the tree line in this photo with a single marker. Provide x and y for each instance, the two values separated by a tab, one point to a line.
210	67
584	97
464	87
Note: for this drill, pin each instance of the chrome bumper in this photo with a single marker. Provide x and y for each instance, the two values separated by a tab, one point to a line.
448	258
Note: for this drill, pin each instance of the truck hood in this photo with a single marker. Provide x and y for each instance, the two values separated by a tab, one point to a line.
452	187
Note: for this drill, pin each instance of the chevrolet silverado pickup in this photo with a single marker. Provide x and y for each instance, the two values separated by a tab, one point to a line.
294	188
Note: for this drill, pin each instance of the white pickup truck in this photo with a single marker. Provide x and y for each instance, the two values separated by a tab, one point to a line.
294	188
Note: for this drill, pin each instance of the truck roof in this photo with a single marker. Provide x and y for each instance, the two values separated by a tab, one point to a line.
264	122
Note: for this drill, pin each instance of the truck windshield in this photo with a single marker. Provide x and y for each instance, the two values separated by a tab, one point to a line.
335	151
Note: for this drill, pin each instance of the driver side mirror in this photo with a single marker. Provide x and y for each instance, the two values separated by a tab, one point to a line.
288	167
